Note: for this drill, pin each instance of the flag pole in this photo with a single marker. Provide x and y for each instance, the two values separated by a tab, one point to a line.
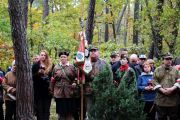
82	75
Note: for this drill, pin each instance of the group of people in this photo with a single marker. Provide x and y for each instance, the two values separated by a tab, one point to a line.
157	87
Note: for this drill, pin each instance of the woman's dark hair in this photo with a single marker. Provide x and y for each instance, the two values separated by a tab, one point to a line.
125	57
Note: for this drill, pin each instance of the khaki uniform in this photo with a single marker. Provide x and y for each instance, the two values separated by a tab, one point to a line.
166	78
62	87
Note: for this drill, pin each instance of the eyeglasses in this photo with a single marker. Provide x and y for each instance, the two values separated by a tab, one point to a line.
142	58
168	58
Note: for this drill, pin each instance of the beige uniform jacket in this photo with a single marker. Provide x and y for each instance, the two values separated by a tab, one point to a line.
166	78
9	83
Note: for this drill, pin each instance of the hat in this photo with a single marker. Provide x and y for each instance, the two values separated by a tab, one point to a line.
142	56
113	54
167	55
63	53
93	48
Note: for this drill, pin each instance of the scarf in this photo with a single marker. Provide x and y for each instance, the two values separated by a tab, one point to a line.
123	68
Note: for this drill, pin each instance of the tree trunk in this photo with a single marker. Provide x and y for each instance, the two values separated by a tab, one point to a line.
113	27
45	9
174	34
90	21
25	8
174	26
126	25
99	36
151	51
24	83
121	14
106	33
31	26
155	28
136	18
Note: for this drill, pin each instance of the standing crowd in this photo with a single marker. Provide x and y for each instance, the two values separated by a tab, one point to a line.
158	87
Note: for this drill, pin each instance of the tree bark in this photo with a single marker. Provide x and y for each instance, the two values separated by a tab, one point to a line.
90	21
45	9
136	18
126	25
113	27
31	26
174	26
174	33
121	14
155	28
25	8
24	83
106	33
151	51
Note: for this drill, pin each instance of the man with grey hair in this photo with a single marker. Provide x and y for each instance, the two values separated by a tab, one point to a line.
133	60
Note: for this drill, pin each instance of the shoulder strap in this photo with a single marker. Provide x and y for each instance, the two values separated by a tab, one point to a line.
64	72
124	75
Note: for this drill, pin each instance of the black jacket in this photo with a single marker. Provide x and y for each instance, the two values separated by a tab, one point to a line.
41	83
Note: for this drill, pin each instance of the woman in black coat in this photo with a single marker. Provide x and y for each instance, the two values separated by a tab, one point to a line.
41	79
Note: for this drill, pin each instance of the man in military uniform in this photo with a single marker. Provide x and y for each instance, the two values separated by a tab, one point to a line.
164	80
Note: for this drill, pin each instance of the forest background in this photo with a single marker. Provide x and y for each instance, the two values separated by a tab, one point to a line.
142	26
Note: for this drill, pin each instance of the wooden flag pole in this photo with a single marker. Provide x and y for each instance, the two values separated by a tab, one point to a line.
82	102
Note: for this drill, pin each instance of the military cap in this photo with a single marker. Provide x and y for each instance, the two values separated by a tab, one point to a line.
167	55
113	54
63	53
92	47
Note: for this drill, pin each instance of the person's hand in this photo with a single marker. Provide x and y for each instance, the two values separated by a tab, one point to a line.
116	83
170	90
148	88
162	90
41	71
13	90
73	85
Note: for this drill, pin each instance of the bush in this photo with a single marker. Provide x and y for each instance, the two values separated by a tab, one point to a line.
112	103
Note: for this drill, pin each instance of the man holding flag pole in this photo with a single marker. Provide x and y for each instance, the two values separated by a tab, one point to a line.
83	63
90	65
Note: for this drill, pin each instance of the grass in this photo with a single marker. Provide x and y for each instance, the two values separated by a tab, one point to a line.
53	115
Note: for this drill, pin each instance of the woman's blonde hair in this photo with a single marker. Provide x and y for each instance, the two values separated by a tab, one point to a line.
46	62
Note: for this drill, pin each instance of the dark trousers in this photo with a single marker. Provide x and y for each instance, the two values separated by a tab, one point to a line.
10	110
164	112
179	112
1	111
150	110
42	108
